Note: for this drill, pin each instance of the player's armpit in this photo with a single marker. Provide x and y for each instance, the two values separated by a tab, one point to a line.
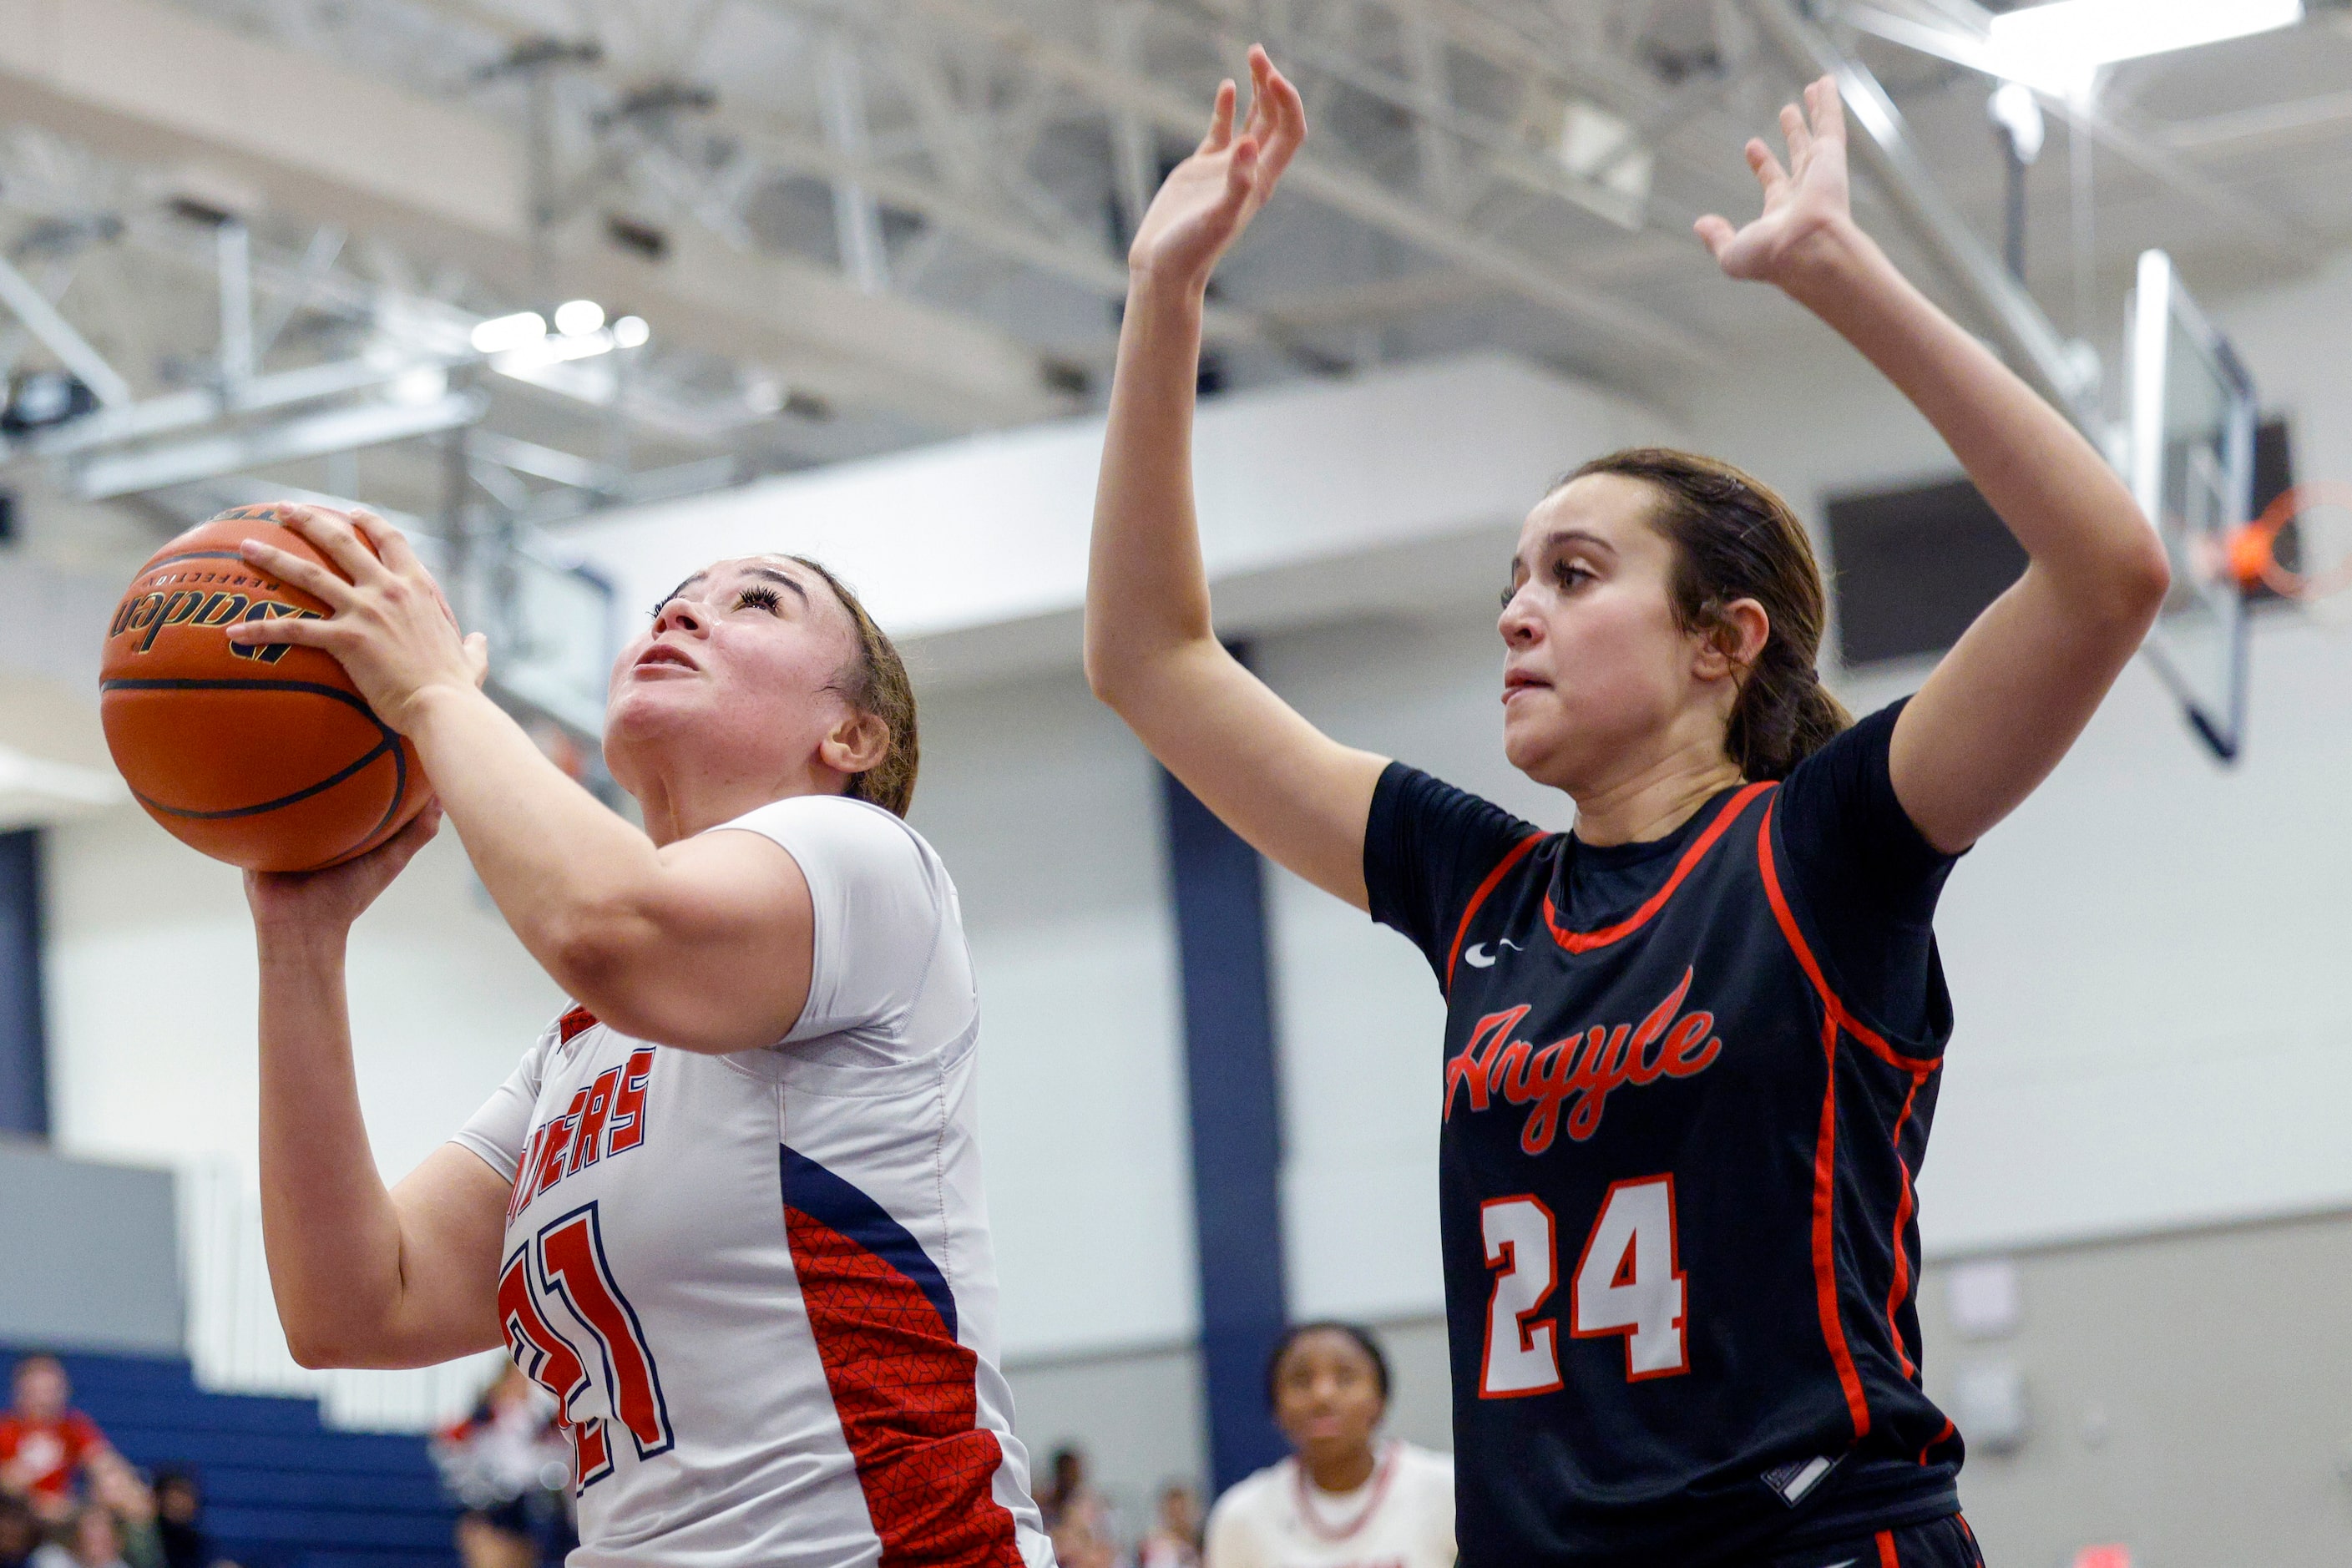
710	954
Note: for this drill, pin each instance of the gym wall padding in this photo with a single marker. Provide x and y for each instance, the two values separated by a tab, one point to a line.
91	1254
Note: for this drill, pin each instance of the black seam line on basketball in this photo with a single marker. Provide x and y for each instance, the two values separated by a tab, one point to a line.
196	555
241	683
399	786
390	736
389	743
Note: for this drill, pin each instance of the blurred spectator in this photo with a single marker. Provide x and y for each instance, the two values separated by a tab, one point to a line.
20	1532
1175	1540
1076	1515
510	1465
1344	1496
93	1538
117	1488
44	1442
179	1521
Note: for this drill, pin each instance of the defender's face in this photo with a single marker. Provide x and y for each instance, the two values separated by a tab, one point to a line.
1327	1395
1594	661
739	660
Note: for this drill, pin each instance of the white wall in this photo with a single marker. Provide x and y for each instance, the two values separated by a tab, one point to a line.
150	984
1046	811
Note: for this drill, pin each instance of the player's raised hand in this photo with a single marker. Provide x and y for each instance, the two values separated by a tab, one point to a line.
1209	199
391	629
1804	203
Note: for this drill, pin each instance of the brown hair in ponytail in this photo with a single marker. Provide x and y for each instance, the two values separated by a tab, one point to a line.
1735	538
876	682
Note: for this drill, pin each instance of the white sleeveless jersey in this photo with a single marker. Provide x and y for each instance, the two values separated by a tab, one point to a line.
761	1285
1401	1518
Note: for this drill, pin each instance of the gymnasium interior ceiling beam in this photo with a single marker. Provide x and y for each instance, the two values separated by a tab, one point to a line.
1954	30
1324	179
156	83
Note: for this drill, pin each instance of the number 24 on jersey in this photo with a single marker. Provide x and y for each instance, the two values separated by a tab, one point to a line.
1628	1282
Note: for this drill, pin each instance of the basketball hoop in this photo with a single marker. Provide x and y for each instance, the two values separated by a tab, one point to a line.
2252	550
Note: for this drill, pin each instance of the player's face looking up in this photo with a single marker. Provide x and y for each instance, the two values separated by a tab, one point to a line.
740	671
1329	1402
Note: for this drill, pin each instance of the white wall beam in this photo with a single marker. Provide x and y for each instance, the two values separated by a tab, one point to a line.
1312	497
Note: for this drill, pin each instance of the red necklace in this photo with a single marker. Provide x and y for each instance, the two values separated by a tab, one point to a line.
1378	1490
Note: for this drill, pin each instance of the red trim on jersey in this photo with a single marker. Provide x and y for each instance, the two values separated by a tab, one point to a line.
578	1021
1519	853
903	1389
1887	1553
1825	1150
1948	1430
1903	1207
1586	940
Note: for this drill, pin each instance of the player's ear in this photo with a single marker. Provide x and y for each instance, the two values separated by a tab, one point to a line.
858	743
1735	640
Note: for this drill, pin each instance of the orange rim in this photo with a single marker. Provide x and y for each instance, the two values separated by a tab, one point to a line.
2252	550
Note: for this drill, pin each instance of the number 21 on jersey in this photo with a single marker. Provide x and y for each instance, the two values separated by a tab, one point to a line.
563	1267
1629	1282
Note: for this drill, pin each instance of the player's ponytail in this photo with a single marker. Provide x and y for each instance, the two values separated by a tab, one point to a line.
876	682
1735	538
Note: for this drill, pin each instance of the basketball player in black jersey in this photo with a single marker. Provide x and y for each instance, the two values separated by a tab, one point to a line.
1692	1048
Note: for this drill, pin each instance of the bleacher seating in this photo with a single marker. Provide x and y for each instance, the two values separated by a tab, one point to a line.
281	1490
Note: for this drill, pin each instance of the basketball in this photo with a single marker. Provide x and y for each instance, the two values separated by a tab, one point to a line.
265	756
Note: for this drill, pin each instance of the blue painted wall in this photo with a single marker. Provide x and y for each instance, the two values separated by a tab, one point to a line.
23	1041
1237	1127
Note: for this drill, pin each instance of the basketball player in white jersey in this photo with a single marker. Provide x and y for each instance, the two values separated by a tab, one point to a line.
728	1210
1346	1498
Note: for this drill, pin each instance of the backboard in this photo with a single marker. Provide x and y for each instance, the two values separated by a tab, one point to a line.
2191	458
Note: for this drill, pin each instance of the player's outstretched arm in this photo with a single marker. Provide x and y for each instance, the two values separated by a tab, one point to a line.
1152	653
2010	698
705	944
363	1276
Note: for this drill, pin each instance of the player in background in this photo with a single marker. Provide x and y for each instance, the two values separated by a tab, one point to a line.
728	1210
1692	1048
1346	1498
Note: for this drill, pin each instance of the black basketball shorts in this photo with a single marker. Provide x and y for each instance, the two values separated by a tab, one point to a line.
1945	1543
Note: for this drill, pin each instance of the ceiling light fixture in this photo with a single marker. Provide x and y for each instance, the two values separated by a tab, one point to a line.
2059	45
578	317
631	332
500	333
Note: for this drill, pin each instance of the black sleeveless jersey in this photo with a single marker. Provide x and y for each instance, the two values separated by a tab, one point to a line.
1679	1228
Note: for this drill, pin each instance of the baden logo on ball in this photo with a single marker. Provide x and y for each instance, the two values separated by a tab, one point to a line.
263	755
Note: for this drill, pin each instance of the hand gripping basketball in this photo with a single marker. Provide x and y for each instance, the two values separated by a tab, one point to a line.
390	628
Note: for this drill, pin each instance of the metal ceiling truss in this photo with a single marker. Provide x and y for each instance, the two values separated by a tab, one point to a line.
316	346
932	120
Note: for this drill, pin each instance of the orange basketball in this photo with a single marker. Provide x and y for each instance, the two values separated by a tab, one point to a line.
262	756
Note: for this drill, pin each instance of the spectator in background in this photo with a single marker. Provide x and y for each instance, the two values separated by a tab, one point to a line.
1175	1540
93	1538
1076	1515
179	1521
44	1442
1345	1497
117	1490
510	1465
20	1532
